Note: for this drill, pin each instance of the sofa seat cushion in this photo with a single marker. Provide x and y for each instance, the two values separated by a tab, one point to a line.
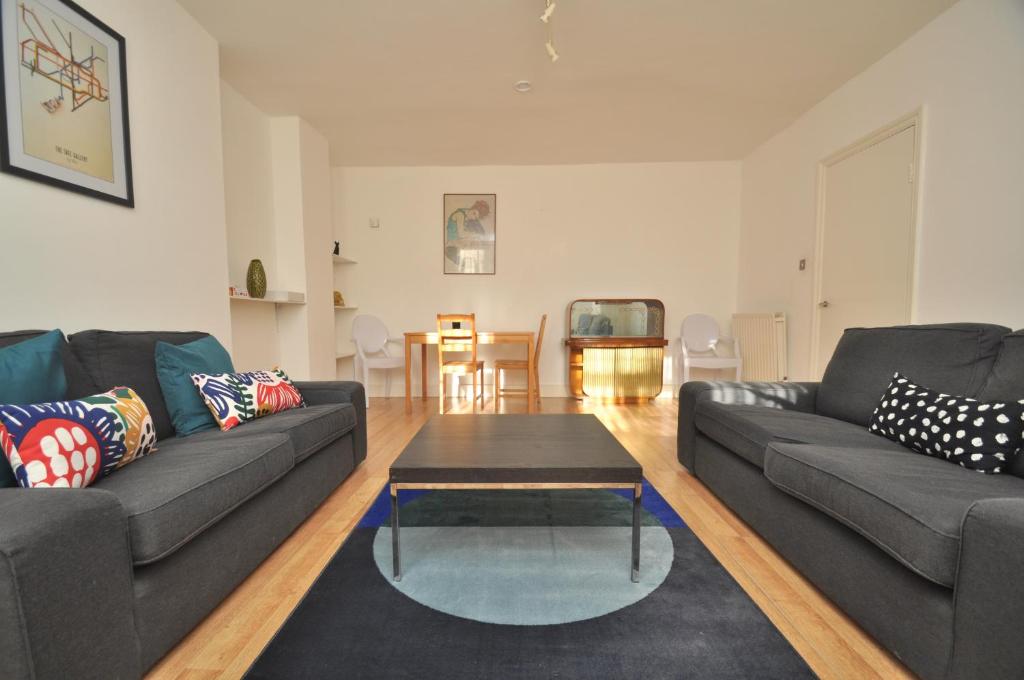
309	429
910	506
187	485
747	430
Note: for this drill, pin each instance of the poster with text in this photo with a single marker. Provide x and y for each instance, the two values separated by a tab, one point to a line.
65	114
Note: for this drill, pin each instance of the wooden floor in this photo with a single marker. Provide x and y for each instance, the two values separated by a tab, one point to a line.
226	643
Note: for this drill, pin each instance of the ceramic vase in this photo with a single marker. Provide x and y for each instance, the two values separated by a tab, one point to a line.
256	280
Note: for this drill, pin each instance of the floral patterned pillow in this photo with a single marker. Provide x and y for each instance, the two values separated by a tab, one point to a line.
74	443
236	398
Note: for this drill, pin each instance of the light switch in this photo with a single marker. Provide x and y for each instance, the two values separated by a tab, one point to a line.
374	223
803	263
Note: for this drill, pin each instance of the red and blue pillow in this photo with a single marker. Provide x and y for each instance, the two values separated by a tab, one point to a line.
236	398
74	443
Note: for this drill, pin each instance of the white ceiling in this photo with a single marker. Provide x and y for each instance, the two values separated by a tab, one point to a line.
429	82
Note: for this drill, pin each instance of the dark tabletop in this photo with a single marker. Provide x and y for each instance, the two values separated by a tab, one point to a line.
556	448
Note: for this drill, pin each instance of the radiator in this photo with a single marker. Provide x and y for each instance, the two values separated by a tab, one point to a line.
762	345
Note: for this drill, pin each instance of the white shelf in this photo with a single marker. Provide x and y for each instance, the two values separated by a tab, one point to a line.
338	259
345	355
345	307
274	297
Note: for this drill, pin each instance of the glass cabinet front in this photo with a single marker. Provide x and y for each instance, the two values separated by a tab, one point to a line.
617	318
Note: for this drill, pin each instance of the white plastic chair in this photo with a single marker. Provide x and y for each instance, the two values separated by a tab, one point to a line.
700	345
371	338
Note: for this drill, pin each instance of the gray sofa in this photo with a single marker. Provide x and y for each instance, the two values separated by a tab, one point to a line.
102	582
926	556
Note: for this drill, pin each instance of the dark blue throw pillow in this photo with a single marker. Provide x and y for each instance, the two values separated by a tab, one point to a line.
31	372
175	365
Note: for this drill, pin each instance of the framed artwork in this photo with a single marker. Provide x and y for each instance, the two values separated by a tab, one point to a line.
469	233
64	99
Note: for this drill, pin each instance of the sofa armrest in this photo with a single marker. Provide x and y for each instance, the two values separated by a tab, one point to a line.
66	600
989	596
784	395
319	392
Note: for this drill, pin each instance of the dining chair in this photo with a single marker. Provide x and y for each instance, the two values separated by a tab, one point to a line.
502	365
371	338
459	341
700	346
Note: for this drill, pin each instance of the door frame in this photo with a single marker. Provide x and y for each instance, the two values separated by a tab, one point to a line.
914	120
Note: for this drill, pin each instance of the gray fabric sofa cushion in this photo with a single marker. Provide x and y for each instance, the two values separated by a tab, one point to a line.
309	429
910	506
747	430
174	494
116	358
79	383
1006	381
951	358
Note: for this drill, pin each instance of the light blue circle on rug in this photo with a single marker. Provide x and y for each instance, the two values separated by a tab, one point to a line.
529	575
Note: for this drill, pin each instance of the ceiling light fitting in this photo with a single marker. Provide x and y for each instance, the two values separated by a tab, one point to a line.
549	45
551	51
549	9
523	86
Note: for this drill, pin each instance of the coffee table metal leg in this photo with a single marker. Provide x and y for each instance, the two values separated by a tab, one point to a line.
637	491
396	554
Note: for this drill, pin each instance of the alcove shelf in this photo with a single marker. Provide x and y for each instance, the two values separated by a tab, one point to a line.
339	259
274	297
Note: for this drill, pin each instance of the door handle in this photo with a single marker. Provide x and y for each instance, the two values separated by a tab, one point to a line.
823	304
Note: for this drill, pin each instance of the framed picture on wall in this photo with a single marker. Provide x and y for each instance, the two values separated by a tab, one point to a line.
469	233
64	99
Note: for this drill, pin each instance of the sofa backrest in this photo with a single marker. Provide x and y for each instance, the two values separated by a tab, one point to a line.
953	358
1006	380
126	358
79	383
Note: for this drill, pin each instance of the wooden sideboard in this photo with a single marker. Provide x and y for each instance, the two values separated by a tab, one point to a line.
616	349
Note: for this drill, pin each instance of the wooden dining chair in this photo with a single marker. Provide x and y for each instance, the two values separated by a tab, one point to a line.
457	341
502	365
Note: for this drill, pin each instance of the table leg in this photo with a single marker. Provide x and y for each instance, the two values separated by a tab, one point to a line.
396	554
637	491
408	374
423	370
531	383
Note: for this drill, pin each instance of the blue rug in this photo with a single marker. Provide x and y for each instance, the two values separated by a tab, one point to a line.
526	584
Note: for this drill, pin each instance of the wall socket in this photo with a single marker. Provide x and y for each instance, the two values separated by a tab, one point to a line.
803	263
374	223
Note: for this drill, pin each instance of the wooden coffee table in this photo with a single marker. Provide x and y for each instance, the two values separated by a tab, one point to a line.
563	451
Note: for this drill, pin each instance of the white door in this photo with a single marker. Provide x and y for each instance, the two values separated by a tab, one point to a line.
867	239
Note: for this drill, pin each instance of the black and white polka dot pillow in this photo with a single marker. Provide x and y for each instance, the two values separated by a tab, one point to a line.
982	436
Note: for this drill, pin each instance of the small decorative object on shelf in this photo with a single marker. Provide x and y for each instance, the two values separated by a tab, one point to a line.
256	279
339	301
337	248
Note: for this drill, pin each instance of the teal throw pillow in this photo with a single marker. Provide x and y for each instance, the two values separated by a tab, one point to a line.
31	372
175	365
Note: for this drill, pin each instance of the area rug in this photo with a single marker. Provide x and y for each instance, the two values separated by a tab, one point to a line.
526	584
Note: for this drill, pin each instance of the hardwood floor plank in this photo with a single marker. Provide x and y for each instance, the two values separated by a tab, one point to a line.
233	635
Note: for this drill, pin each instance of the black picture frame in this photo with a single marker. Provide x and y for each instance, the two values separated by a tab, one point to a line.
119	71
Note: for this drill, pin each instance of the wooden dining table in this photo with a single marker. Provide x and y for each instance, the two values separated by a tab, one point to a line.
424	338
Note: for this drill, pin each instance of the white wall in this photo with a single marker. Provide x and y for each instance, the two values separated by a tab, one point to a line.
966	68
662	230
318	241
249	210
76	262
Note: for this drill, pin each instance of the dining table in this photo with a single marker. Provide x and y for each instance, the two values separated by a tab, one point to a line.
425	338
